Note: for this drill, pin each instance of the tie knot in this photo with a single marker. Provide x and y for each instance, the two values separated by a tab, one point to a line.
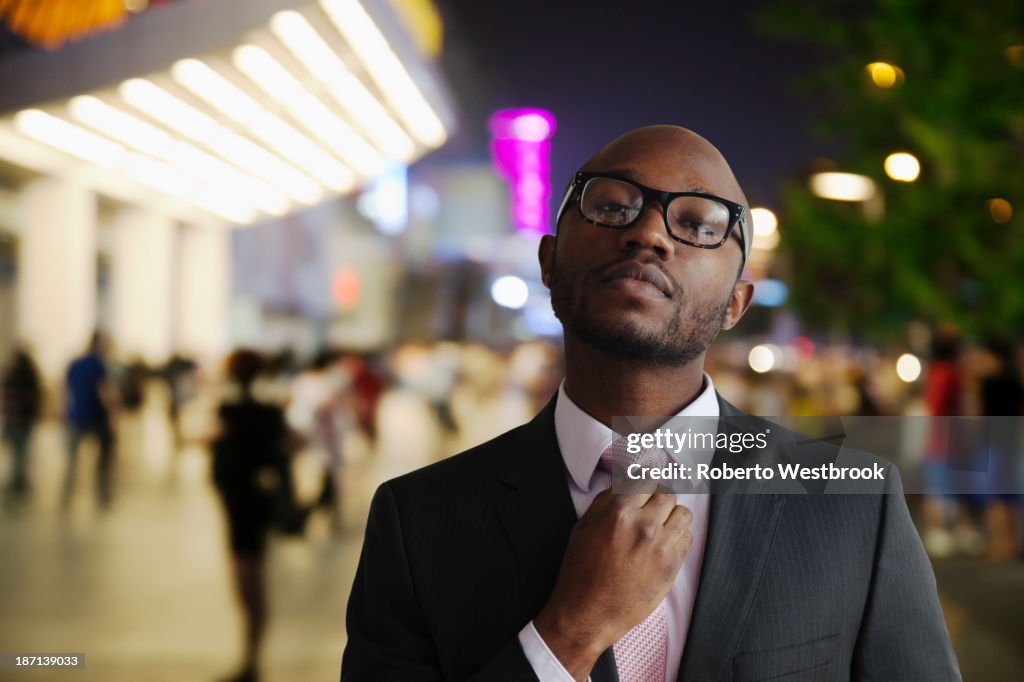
620	455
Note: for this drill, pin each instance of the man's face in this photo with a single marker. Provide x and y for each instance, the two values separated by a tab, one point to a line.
636	293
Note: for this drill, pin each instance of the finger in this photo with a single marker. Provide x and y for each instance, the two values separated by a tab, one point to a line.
603	498
608	501
635	500
658	510
686	540
657	500
678	521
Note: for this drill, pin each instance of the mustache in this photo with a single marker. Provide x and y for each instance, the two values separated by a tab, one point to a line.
602	271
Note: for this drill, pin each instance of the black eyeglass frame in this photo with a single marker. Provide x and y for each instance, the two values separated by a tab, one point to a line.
579	184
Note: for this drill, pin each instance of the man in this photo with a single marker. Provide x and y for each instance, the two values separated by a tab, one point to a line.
92	401
514	561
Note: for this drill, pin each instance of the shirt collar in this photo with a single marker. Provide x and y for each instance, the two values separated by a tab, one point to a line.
582	439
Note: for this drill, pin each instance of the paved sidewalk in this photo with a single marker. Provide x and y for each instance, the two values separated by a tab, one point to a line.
143	588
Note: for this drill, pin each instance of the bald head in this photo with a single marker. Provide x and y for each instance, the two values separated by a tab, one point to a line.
685	145
674	159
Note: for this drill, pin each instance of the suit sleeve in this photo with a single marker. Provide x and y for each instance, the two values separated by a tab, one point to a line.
903	635
388	636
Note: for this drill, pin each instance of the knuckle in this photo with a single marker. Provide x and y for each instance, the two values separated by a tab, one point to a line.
621	515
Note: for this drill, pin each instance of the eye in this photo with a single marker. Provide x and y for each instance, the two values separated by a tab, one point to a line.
697	232
610	202
699	220
613	213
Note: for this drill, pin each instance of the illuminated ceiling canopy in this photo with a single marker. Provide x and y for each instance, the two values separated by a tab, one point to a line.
308	103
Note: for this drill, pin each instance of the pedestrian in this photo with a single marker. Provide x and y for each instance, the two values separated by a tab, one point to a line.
91	411
22	393
252	475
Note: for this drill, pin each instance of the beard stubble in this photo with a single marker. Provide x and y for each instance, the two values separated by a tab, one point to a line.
674	343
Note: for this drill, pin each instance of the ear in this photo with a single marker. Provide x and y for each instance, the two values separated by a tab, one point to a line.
742	295
546	256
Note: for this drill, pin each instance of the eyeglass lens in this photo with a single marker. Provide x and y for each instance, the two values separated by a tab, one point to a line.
614	203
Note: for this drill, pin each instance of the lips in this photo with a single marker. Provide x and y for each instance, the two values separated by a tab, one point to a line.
640	272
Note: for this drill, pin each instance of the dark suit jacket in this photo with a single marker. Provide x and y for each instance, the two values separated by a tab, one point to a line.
460	555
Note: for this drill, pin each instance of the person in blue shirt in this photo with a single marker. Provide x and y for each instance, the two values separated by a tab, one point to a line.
91	396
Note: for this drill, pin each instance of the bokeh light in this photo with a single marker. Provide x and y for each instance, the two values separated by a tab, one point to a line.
764	221
764	357
510	292
885	75
766	242
1015	55
902	166
908	368
1000	210
842	186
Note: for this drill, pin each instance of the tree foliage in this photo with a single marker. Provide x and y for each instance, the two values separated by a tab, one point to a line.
936	253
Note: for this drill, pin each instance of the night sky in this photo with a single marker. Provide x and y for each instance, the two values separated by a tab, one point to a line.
604	67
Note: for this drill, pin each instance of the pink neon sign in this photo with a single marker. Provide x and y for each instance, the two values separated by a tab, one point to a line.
521	150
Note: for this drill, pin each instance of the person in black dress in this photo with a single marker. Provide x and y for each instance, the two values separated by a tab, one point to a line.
251	474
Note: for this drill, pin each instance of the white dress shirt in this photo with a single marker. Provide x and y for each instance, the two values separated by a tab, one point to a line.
582	439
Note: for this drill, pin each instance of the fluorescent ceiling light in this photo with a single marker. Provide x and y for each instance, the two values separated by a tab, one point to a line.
69	138
200	132
165	178
276	81
292	29
160	176
218	91
194	124
223	95
211	169
168	109
366	39
119	125
258	161
153	141
299	149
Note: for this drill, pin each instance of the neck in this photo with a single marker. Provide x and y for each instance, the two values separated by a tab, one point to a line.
606	386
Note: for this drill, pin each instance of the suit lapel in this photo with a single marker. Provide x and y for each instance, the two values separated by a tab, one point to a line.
537	513
740	533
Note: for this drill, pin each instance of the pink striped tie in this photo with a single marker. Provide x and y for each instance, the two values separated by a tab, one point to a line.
641	654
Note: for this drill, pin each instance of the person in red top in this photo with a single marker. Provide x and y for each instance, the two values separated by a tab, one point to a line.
944	388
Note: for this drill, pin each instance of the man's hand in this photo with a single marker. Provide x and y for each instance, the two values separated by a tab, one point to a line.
622	558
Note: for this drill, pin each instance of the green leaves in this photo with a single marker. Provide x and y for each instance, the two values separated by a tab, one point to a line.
936	254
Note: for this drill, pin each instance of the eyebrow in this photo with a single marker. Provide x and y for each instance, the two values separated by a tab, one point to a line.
630	173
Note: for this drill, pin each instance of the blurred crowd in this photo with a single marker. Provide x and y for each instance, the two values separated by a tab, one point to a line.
419	402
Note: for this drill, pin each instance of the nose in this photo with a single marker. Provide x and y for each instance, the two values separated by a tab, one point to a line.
648	232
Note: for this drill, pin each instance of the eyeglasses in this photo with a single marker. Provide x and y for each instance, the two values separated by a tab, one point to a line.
692	218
